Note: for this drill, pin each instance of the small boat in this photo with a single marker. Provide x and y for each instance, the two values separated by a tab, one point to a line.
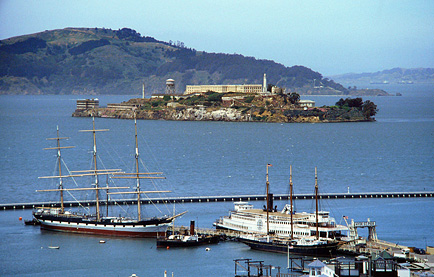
191	239
53	247
186	241
33	222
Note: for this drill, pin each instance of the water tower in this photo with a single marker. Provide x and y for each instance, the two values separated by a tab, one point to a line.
170	86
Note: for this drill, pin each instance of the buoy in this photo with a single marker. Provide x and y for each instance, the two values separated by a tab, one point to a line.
20	218
167	247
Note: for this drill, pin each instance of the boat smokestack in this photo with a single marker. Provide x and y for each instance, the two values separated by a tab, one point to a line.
270	202
192	228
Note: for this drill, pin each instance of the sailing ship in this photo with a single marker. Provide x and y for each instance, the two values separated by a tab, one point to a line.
58	219
285	223
285	231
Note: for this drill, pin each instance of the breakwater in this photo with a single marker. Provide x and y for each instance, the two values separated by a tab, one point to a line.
227	198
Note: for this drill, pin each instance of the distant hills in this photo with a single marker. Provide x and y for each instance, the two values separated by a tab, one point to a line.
391	76
105	61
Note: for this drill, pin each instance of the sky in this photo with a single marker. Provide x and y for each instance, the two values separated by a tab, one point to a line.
331	37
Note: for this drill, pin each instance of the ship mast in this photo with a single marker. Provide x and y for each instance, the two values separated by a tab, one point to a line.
98	216
290	199
81	173
316	203
59	160
137	170
95	171
137	175
268	200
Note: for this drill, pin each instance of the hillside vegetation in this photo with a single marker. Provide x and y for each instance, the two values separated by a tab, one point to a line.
105	61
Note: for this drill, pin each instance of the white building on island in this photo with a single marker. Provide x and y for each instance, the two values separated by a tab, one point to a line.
246	88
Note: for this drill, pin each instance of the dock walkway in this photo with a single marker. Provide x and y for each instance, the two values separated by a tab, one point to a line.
228	198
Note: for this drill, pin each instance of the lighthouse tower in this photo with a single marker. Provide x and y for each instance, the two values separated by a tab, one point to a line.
143	90
264	85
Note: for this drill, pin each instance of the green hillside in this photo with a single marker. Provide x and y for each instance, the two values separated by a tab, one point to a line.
105	61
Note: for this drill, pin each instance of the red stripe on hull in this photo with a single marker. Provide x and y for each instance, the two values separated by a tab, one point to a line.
117	233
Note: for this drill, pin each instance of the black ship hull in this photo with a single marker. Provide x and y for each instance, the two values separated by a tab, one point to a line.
84	225
321	250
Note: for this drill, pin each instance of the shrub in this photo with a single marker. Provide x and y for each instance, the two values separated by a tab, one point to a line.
215	97
88	46
249	99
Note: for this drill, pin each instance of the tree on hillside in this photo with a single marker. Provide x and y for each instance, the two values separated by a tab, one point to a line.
350	102
294	97
215	97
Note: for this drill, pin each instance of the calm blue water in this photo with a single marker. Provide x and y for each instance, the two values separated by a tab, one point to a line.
215	158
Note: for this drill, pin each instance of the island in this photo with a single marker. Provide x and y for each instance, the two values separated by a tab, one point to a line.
232	107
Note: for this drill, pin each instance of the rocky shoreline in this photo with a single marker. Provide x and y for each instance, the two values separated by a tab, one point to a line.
229	115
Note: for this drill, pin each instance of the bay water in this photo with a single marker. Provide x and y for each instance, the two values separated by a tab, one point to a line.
395	153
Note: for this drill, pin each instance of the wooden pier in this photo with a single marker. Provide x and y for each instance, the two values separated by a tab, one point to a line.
228	198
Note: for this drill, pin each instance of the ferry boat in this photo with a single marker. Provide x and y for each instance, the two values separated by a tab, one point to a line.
285	223
247	219
58	219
